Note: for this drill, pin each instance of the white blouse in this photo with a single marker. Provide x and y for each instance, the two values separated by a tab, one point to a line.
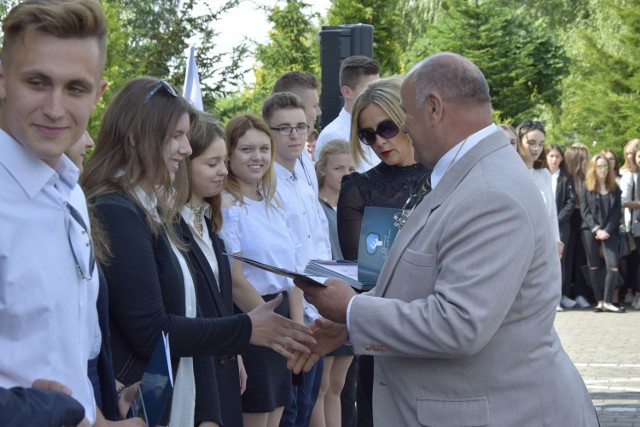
259	231
631	216
542	179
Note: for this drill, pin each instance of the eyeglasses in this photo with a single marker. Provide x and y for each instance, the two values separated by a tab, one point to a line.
386	129
168	87
80	242
287	130
602	167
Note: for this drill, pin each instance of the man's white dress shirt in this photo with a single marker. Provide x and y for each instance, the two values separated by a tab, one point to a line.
47	310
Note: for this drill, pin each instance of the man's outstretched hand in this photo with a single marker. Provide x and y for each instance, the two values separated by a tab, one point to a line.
269	329
331	300
329	336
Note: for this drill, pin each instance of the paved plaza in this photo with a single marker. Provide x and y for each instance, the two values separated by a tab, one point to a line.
605	347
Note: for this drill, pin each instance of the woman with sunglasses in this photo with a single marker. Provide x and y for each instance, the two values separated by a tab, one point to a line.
130	180
600	205
376	118
375	121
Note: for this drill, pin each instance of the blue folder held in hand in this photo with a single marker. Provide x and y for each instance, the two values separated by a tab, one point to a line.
156	385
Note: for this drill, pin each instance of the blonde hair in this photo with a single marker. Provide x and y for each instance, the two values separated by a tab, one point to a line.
235	129
385	93
59	18
591	180
629	146
333	147
129	151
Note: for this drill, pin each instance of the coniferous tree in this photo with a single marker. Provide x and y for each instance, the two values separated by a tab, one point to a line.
601	101
522	63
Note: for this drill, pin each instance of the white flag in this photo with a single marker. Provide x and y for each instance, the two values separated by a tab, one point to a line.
192	81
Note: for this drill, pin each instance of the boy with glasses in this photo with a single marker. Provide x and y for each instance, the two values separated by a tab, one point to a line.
285	114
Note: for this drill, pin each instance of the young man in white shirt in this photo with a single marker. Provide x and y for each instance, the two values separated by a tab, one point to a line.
285	114
355	73
306	86
50	80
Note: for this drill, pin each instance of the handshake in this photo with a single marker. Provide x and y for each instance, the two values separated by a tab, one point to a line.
304	345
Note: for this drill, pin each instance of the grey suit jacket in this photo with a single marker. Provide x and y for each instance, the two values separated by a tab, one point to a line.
461	319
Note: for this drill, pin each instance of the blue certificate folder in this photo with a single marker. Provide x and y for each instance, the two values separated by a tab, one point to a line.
377	233
156	384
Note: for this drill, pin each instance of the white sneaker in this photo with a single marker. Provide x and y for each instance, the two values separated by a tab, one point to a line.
582	302
559	308
567	302
636	303
628	299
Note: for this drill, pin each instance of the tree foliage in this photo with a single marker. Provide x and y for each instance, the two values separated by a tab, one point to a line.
292	46
390	31
522	63
601	101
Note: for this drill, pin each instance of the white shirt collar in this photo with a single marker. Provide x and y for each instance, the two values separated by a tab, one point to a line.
32	173
459	150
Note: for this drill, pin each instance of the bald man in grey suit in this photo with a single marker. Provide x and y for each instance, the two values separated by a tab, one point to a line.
461	319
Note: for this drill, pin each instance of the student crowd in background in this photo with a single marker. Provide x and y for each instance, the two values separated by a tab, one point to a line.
593	205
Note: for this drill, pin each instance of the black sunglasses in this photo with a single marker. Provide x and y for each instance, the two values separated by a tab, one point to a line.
168	87
386	129
528	126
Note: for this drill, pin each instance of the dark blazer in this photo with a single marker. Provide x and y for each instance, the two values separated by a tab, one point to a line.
146	297
35	407
565	197
565	203
105	363
600	212
218	302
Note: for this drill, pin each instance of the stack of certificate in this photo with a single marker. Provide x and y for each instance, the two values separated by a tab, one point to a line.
346	271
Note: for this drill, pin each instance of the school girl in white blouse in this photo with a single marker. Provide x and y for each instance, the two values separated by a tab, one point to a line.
255	227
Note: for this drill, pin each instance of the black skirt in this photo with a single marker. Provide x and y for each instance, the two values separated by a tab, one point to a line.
268	379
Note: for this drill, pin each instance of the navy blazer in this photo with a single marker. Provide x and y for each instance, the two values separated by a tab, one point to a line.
215	300
146	297
565	197
37	407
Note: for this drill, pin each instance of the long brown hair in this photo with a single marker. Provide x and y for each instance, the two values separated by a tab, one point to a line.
203	133
129	153
591	179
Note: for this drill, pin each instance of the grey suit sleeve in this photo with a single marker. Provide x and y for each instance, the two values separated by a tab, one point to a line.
28	406
475	280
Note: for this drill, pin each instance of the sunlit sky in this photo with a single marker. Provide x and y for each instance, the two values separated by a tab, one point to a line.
247	20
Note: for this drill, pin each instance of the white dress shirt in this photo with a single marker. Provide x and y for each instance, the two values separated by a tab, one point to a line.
305	219
340	128
47	310
542	179
259	231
